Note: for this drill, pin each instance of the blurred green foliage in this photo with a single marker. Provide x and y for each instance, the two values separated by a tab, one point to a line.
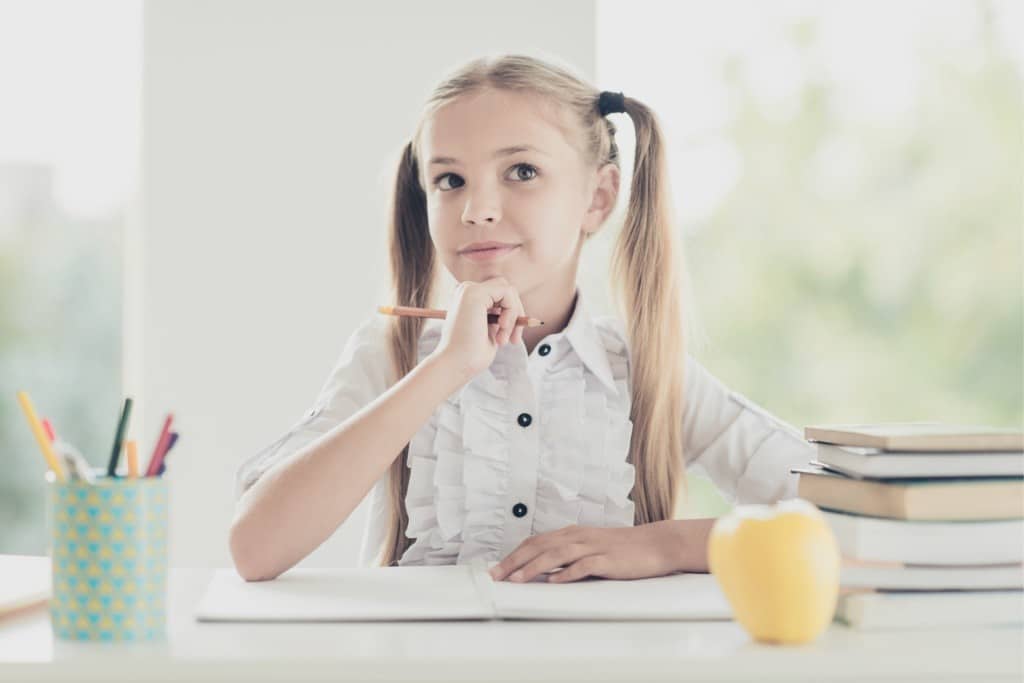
861	273
888	289
60	340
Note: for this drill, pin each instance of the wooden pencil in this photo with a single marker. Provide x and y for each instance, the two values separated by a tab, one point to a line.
132	453
412	311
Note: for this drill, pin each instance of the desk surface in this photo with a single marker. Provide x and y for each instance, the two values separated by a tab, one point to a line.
505	650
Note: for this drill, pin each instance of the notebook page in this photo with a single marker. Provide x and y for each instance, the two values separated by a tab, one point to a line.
350	594
678	597
26	583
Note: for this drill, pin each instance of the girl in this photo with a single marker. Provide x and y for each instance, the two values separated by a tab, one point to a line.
556	450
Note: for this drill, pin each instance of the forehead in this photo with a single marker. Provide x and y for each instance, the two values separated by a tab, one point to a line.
473	126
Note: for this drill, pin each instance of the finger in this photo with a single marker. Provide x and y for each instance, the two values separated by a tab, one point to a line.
501	293
531	547
514	306
551	559
496	289
506	325
505	299
517	334
526	551
492	332
591	565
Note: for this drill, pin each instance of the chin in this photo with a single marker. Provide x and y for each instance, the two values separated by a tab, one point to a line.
482	272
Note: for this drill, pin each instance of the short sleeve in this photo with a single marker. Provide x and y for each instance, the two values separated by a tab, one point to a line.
745	450
361	374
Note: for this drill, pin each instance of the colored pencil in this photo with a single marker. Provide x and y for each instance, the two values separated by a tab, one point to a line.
48	428
414	312
37	430
132	454
122	424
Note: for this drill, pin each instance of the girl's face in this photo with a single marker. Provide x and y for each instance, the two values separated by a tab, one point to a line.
507	193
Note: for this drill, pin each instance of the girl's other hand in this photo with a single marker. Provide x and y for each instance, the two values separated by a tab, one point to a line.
634	552
467	339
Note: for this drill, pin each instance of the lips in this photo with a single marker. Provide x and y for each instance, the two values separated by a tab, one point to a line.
488	251
486	246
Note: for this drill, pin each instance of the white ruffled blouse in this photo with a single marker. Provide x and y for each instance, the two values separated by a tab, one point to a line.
537	442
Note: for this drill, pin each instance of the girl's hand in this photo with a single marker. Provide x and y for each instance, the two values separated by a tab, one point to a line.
636	552
467	338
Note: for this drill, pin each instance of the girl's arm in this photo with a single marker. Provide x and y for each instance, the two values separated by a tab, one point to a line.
294	505
745	450
299	503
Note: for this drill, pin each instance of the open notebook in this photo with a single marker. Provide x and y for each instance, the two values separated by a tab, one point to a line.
454	592
25	584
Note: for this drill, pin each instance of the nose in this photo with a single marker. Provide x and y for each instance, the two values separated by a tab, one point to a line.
481	208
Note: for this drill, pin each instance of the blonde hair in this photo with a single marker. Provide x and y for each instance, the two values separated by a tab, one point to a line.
647	274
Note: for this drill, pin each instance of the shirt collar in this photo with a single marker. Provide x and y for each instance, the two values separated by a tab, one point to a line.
586	340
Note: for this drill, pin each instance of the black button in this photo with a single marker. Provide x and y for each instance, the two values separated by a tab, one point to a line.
519	510
525	419
544	349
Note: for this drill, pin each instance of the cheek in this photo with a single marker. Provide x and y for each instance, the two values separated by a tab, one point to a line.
445	234
551	224
440	224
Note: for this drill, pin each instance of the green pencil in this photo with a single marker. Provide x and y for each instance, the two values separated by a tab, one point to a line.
122	425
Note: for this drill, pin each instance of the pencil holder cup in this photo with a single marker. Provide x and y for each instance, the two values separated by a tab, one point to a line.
108	553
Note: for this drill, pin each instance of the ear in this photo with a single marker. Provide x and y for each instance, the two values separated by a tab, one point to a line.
602	200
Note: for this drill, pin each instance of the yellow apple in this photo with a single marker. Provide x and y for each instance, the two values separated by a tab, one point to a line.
778	566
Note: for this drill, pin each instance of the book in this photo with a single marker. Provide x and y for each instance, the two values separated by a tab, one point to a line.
454	592
859	461
871	610
913	499
914	542
918	436
901	576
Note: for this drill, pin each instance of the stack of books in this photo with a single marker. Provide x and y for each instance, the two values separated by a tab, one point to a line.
929	520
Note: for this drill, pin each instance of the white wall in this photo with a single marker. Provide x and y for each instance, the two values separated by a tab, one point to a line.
269	134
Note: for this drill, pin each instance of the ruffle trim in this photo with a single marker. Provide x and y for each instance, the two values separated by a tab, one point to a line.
460	460
583	477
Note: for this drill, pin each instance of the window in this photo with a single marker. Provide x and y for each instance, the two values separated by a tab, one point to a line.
848	180
70	79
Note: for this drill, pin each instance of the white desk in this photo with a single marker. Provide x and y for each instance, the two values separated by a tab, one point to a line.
478	651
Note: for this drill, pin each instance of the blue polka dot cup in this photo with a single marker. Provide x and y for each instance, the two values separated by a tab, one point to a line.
108	556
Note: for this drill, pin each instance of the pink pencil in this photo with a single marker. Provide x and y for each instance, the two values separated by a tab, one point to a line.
48	428
161	447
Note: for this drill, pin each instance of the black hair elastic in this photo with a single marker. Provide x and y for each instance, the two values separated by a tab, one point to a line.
611	103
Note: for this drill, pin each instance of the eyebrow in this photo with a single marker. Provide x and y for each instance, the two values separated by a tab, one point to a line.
503	152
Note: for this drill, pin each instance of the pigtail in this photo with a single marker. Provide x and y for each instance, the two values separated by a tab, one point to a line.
412	278
647	278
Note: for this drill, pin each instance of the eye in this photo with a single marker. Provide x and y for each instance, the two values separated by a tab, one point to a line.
440	179
524	172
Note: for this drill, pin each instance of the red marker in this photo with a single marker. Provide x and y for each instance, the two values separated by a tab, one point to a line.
161	447
163	461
